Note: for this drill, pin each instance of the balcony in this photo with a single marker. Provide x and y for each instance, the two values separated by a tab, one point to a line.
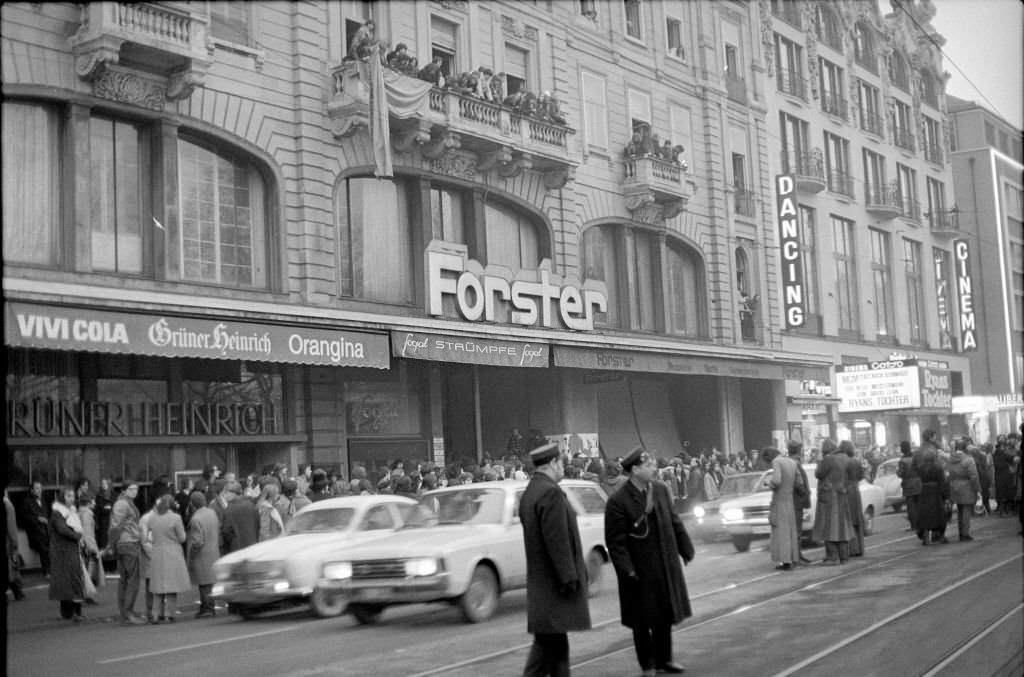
745	202
736	88
808	170
501	138
872	123
840	182
834	104
883	201
933	153
902	137
910	209
656	189
791	83
944	221
163	39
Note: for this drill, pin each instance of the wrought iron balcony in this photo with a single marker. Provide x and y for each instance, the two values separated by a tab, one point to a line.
944	221
872	123
834	104
167	39
736	88
902	137
885	201
791	83
501	138
808	170
910	209
840	182
933	153
656	189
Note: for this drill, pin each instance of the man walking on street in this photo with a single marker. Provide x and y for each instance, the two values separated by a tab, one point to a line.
556	573
801	496
126	540
645	539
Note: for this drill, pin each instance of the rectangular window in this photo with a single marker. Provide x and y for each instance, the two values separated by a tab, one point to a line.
902	128
601	262
373	227
846	274
646	251
830	79
881	274
870	109
674	38
795	157
595	110
938	216
944	292
910	206
790	60
511	239
634	19
517	69
231	22
809	258
1017	273
680	124
31	183
446	215
990	134
915	290
639	109
874	178
837	163
444	43
115	195
588	8
932	140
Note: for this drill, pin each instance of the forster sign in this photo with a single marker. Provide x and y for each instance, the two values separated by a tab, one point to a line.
495	294
789	248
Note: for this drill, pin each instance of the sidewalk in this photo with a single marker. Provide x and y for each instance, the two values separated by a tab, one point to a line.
38	612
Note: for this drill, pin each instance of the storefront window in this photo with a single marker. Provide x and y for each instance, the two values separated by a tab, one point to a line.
511	239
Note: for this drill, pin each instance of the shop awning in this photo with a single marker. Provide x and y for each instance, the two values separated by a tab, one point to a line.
687	365
29	325
469	350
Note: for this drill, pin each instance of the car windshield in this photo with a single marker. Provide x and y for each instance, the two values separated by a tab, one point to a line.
462	506
330	519
739	484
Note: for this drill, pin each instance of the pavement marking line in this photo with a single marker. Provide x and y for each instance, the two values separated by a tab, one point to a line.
885	621
187	647
977	638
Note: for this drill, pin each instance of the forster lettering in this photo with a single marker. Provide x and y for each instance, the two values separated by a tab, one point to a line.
789	248
479	294
965	292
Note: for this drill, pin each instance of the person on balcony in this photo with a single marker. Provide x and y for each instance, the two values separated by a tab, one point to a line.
432	72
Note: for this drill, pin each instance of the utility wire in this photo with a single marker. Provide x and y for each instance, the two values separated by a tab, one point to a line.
927	34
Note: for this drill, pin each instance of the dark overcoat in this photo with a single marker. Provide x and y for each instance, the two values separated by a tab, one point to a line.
931	511
240	526
554	558
67	573
648	546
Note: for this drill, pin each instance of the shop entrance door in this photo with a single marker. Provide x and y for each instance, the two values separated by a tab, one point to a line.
460	407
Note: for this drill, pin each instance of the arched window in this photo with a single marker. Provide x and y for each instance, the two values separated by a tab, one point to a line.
512	238
747	297
898	72
687	292
602	261
742	272
929	90
864	47
826	25
374	228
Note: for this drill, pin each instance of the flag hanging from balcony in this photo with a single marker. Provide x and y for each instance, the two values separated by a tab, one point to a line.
380	127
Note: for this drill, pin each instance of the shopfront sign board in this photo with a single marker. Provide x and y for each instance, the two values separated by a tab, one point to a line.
886	385
469	350
665	363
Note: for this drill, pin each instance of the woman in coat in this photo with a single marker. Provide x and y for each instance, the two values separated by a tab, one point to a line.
168	574
203	549
931	515
67	574
832	523
1005	483
854	473
90	549
964	486
104	506
785	542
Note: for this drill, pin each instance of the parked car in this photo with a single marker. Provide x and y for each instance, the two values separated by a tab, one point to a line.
704	521
746	517
890	483
284	570
464	546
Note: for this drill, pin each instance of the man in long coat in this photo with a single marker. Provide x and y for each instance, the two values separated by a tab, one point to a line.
832	522
556	573
203	549
240	525
645	540
785	542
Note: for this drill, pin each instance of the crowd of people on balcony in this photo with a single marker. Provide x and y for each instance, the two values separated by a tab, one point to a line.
482	83
645	144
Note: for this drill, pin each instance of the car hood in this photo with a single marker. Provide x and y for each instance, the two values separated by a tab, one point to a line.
311	546
721	500
758	498
430	541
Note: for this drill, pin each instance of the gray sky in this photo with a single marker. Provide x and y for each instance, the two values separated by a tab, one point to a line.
985	38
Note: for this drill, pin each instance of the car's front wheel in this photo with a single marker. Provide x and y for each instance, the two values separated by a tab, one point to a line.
366	614
741	543
595	569
480	600
325	605
869	520
247	611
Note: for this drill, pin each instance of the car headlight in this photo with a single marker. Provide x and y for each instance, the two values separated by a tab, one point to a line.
698	511
421	566
221	572
732	514
338	570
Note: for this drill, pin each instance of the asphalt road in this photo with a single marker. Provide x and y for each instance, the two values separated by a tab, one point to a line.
901	610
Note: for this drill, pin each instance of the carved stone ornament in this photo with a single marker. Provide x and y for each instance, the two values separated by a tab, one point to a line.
635	201
518	29
441	145
672	209
767	36
494	158
651	213
812	62
459	166
129	88
181	83
406	140
456	5
90	61
510	170
557	178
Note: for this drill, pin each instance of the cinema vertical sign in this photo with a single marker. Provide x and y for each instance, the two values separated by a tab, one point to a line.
965	292
789	248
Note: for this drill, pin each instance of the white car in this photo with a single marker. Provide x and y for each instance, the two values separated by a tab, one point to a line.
284	570
746	518
464	547
890	483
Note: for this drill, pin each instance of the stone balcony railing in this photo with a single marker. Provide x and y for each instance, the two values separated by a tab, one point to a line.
656	189
166	39
501	138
